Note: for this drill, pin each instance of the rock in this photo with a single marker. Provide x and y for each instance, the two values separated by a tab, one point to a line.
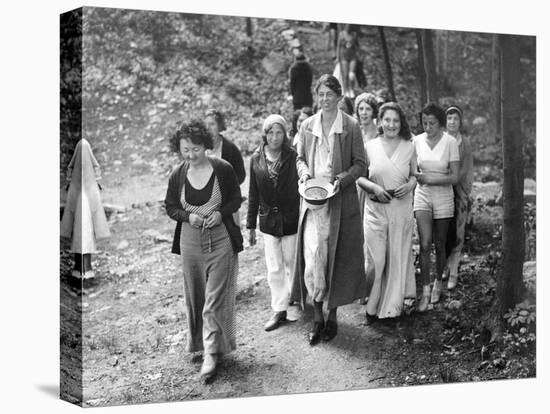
122	245
162	238
454	304
274	63
479	121
288	34
151	233
113	208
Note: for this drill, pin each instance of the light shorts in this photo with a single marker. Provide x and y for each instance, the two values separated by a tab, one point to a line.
439	199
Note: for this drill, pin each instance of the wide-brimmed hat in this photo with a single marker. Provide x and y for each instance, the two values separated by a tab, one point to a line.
316	191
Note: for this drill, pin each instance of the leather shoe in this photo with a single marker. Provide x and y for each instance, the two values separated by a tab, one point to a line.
314	335
370	318
275	321
208	368
330	331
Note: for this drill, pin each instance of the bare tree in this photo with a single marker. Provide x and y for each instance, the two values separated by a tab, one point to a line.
389	73
421	68
429	65
510	283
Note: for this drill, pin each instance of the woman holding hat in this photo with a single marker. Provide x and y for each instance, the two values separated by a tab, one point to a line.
389	220
330	261
462	189
202	195
273	193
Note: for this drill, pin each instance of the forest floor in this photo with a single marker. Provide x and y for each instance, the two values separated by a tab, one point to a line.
134	327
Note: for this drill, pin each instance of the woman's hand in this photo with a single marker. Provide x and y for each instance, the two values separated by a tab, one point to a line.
252	237
403	189
423	178
195	220
381	194
303	179
214	219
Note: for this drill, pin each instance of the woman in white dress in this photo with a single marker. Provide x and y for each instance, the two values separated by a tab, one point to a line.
438	161
388	221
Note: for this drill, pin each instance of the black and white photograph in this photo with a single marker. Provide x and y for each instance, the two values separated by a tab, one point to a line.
278	204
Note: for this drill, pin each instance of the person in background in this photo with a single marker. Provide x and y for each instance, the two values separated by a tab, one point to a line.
389	221
84	220
347	53
203	193
332	38
438	160
365	110
301	77
224	149
273	193
299	117
346	105
330	262
462	189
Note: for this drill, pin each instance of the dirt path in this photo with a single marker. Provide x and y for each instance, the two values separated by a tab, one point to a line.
134	331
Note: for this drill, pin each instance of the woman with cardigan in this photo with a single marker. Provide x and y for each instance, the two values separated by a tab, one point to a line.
203	193
273	192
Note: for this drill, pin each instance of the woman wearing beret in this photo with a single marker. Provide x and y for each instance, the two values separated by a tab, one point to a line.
330	261
273	194
203	193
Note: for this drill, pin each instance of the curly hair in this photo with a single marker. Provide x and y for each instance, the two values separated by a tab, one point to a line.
434	109
405	130
330	82
218	117
369	99
194	131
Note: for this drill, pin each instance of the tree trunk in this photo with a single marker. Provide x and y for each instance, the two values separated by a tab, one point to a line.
389	74
249	27
510	283
495	89
429	65
421	69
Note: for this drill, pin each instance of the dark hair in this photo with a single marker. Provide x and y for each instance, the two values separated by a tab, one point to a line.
405	130
305	110
346	104
194	131
435	110
454	109
330	82
218	117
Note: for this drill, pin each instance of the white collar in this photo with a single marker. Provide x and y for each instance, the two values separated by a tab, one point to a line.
336	128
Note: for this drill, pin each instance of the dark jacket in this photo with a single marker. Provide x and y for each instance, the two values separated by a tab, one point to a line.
301	77
279	205
233	156
231	200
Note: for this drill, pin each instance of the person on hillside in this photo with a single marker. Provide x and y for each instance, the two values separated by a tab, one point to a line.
224	149
462	189
203	193
330	262
439	162
332	44
84	221
273	193
300	79
299	117
389	221
365	110
347	54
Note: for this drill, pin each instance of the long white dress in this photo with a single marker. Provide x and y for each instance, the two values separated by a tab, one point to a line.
388	231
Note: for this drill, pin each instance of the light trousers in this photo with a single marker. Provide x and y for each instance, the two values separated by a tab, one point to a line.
280	256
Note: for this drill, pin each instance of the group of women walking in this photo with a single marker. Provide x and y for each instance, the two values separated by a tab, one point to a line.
354	242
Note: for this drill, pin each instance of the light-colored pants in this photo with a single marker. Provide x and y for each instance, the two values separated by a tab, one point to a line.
280	255
462	213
